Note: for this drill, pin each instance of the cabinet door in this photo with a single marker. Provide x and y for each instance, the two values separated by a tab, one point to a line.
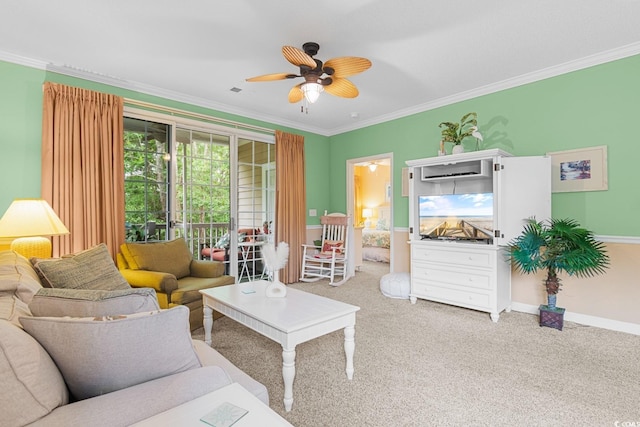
524	188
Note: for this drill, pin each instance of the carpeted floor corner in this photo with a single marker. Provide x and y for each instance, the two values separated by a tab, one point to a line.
433	364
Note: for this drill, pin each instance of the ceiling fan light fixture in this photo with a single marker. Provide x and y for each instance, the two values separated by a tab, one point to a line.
373	167
311	91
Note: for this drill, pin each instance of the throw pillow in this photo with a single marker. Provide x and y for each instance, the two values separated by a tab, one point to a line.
104	354
18	284
171	257
84	302
329	245
382	224
89	269
31	384
223	242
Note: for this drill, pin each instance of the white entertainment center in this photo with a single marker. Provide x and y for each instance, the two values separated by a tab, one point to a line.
463	211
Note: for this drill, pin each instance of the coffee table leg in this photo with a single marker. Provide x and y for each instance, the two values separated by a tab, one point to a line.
208	323
288	374
349	348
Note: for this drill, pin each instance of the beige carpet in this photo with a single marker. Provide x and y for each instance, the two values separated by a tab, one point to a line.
431	364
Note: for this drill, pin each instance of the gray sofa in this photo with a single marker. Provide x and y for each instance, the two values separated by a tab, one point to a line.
84	357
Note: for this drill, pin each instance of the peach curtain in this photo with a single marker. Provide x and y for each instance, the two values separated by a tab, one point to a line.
291	201
83	166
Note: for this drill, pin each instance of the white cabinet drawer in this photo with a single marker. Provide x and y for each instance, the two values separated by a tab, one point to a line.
478	300
469	278
453	256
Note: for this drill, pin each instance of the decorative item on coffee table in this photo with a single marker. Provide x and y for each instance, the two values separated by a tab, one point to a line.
456	132
557	245
274	260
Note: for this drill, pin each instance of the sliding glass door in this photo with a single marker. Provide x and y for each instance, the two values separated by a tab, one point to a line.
214	188
202	197
256	204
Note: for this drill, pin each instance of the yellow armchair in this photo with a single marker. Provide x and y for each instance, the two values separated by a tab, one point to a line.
169	268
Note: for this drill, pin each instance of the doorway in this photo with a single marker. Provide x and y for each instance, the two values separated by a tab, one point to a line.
370	204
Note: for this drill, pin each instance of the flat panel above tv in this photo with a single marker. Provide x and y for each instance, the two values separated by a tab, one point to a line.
471	169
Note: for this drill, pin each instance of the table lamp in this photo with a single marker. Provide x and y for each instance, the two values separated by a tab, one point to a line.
366	214
29	220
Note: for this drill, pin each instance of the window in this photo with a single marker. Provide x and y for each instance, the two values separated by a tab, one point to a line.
146	180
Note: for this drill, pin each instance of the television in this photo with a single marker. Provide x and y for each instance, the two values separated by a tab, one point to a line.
467	217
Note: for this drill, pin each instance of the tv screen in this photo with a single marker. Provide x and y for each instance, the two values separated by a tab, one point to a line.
457	216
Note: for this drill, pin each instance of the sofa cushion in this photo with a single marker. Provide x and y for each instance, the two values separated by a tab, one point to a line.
90	269
211	357
136	403
103	354
189	288
54	302
31	384
169	257
18	283
329	245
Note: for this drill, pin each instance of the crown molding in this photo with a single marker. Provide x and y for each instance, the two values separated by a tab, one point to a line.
545	73
22	60
175	96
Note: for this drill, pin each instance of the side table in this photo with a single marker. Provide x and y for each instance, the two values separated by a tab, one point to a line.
189	413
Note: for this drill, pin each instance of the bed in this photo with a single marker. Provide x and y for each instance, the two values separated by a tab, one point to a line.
376	241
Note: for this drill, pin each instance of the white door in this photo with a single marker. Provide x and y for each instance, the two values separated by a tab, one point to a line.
524	188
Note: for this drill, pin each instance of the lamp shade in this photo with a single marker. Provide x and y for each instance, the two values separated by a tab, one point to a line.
31	217
367	213
29	220
312	91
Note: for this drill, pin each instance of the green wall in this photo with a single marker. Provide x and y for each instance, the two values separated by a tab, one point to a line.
20	132
590	107
21	127
595	106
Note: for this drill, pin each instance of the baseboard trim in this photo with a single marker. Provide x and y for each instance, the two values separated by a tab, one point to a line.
584	319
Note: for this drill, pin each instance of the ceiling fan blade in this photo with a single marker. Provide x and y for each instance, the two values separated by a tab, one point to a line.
342	87
295	94
346	66
297	57
272	77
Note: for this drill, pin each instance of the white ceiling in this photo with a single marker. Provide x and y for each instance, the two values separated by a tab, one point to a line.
425	53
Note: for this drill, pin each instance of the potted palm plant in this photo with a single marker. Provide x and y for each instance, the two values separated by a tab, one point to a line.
557	245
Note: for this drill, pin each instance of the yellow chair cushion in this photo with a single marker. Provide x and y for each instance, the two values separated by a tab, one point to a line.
169	257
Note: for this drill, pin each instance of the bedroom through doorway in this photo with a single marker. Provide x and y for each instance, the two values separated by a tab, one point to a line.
371	201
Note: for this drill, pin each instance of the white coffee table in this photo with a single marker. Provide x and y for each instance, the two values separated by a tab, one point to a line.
294	319
189	413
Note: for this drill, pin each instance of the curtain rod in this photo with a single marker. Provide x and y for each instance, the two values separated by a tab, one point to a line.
189	114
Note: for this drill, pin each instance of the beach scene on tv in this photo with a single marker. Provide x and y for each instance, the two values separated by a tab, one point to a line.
457	216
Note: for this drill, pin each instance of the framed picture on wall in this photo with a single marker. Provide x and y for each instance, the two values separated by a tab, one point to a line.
584	169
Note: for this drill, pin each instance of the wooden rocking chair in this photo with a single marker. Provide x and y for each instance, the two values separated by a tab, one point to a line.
329	260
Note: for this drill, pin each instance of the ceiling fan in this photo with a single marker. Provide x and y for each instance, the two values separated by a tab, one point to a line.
318	77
